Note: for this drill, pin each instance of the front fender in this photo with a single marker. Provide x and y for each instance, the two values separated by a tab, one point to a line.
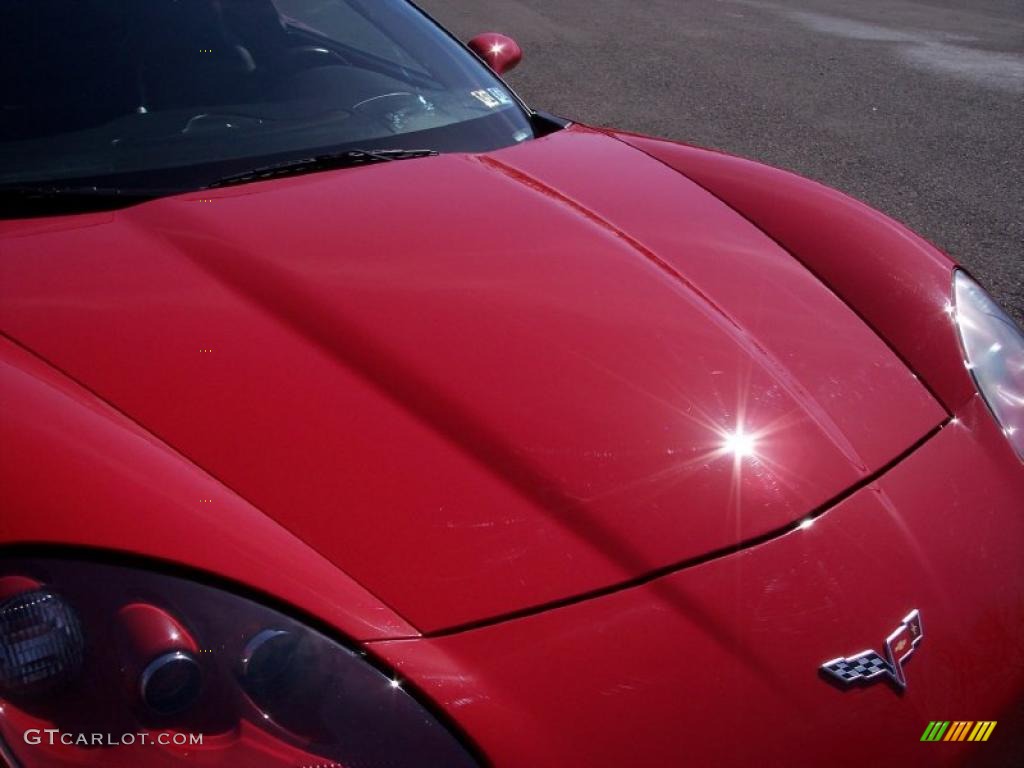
897	282
77	474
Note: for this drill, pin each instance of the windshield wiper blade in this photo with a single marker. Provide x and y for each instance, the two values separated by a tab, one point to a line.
47	199
89	191
325	162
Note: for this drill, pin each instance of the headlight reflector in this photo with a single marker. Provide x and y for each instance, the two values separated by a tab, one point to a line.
40	643
139	658
994	354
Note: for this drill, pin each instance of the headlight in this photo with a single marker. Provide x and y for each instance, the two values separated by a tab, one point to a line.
994	354
112	666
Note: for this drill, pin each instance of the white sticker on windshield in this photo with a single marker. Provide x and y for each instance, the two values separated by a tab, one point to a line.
488	100
501	95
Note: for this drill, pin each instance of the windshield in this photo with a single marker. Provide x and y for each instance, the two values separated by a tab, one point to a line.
178	93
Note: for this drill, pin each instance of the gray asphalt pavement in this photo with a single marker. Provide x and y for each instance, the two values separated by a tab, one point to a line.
915	107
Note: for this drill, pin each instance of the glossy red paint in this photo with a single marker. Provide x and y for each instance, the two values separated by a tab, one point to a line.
501	52
75	472
897	281
521	397
717	664
148	631
553	361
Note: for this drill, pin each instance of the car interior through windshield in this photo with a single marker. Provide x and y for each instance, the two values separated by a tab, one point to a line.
129	89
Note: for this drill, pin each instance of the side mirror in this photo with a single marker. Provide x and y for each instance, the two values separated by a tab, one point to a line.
501	53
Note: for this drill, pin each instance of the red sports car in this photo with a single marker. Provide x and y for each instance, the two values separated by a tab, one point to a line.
354	414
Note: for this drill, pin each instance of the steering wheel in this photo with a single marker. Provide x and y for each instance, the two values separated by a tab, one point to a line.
314	55
394	109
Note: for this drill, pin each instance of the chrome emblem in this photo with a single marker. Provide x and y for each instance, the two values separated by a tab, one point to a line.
868	665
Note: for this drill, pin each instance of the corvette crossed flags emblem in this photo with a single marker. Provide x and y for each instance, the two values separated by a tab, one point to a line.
868	665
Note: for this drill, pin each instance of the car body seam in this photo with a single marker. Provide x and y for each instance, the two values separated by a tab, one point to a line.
693	562
619	136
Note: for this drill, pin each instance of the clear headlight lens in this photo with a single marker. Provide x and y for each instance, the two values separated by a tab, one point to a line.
111	666
994	350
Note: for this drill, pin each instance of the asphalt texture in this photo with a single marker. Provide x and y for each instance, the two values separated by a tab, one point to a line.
916	108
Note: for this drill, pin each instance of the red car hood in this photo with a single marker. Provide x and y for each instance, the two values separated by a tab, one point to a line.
478	384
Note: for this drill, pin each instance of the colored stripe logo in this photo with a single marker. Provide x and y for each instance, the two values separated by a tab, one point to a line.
958	730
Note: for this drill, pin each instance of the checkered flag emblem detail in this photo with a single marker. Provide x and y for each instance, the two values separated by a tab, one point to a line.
863	666
868	665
